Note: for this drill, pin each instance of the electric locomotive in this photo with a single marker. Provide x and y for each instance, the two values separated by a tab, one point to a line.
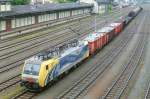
42	69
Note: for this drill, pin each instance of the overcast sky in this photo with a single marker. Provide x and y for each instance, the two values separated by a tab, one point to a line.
132	0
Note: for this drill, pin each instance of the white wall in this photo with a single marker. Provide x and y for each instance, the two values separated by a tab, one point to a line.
2	25
95	9
102	9
41	1
18	22
5	7
87	1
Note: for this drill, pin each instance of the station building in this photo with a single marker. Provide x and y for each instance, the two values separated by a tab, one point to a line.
14	17
100	6
5	7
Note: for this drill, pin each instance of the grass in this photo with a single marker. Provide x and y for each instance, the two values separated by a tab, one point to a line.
11	94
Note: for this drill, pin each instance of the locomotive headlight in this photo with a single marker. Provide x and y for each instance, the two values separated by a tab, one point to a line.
24	78
37	81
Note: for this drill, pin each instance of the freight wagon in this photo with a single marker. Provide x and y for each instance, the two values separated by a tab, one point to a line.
122	20
117	26
109	32
93	42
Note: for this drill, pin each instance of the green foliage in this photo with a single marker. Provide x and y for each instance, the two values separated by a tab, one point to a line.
110	7
20	2
65	1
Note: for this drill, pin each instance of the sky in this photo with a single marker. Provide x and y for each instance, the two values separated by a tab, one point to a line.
135	0
132	0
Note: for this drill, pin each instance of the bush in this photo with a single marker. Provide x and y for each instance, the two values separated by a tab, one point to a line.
20	2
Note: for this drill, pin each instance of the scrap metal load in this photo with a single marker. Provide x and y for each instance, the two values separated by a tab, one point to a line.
45	67
134	12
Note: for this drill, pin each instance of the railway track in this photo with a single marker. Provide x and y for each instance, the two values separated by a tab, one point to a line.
81	86
25	95
45	34
10	82
22	94
38	34
6	46
67	23
147	95
17	63
147	91
42	33
20	61
120	84
22	31
13	83
16	79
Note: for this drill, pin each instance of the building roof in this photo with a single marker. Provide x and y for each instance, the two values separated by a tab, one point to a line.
39	8
103	1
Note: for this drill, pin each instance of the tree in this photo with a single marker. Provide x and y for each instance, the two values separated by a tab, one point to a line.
65	1
20	2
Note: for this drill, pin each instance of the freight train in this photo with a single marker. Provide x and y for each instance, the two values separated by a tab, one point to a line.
42	69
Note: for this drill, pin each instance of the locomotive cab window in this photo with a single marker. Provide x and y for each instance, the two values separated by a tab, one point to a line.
46	67
32	69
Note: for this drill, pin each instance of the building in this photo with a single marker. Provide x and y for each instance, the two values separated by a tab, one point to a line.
100	6
41	1
5	6
16	17
104	6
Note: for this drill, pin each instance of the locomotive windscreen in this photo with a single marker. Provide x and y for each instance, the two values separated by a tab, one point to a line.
32	69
